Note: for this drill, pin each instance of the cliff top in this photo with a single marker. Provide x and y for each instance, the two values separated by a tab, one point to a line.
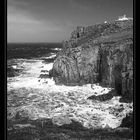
121	27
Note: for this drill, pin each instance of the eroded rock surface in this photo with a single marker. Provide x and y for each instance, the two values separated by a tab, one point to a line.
101	53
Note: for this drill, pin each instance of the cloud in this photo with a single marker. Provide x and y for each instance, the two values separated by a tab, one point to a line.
79	4
58	17
41	10
23	27
22	21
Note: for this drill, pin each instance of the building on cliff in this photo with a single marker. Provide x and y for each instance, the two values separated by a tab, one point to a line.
101	53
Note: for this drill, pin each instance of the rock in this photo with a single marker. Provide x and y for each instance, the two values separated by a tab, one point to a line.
127	98
44	76
11	72
61	120
103	97
44	71
127	121
101	53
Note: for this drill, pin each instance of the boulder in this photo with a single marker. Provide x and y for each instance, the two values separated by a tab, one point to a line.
103	97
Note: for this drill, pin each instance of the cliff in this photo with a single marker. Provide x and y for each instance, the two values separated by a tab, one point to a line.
101	53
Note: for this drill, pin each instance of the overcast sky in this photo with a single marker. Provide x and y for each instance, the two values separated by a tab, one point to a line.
54	20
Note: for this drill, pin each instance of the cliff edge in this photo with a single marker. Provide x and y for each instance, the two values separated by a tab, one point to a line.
101	53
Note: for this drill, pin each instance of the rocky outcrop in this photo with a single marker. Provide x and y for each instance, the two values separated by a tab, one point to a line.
103	97
128	121
101	53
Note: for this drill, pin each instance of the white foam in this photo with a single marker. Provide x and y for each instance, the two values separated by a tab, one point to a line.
57	49
49	57
48	66
30	75
59	100
14	67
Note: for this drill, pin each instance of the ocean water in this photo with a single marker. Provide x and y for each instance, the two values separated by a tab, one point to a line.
32	93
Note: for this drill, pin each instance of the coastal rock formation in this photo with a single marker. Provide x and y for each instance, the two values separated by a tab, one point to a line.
103	97
127	121
101	53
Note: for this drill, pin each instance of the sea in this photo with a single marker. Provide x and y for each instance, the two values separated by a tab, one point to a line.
32	94
27	61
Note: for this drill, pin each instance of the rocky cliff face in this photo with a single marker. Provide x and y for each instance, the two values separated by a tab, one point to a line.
101	53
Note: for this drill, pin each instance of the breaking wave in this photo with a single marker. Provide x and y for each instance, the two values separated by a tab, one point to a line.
36	97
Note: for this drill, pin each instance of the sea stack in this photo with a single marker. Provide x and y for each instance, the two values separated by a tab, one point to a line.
101	53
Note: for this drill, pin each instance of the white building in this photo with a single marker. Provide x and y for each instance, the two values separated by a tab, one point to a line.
121	18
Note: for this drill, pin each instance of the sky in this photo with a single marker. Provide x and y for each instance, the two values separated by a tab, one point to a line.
54	20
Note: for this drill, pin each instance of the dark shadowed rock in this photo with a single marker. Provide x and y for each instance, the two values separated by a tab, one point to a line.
13	72
103	97
44	76
127	121
101	53
46	130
